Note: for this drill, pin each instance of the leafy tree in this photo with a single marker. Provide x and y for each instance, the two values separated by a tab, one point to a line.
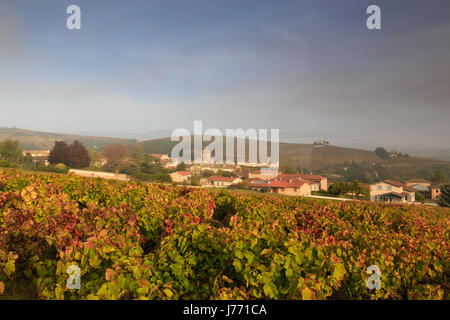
420	197
95	157
28	160
59	153
289	170
224	173
138	155
355	188
338	188
115	154
444	198
10	150
300	170
78	156
440	176
181	166
195	180
381	153
206	173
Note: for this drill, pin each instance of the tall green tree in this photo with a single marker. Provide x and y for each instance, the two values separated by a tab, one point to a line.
355	188
181	166
440	176
138	155
10	150
28	160
444	198
382	153
289	170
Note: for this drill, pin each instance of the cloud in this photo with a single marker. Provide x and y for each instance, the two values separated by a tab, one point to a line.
79	106
289	37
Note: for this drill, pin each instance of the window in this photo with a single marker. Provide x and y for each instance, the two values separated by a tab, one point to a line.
380	187
389	188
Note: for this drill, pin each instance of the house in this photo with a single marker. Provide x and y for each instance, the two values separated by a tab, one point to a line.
392	191
418	181
294	188
289	188
264	174
320	143
421	186
98	174
40	156
180	176
223	182
317	183
395	153
435	192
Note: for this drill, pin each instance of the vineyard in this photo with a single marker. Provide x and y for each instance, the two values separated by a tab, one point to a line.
139	241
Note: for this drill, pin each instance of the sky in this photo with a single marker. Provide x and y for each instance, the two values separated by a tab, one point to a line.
309	68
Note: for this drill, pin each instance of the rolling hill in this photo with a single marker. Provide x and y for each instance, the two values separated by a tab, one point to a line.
333	159
37	140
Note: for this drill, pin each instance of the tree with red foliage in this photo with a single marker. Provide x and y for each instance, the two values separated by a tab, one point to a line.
59	153
78	156
115	154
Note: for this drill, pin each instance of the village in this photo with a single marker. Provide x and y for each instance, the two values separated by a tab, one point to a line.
261	177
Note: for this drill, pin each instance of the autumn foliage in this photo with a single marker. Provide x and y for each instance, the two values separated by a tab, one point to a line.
74	155
135	241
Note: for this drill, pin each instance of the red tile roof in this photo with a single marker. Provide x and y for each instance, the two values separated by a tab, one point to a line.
183	173
278	184
394	183
418	180
311	177
409	189
220	178
286	184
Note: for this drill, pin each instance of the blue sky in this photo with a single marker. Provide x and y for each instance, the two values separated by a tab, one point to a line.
310	68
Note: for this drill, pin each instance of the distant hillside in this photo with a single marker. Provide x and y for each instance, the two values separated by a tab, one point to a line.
333	159
441	154
36	140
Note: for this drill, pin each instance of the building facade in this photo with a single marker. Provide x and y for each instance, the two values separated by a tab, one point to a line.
180	176
392	191
435	192
223	182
